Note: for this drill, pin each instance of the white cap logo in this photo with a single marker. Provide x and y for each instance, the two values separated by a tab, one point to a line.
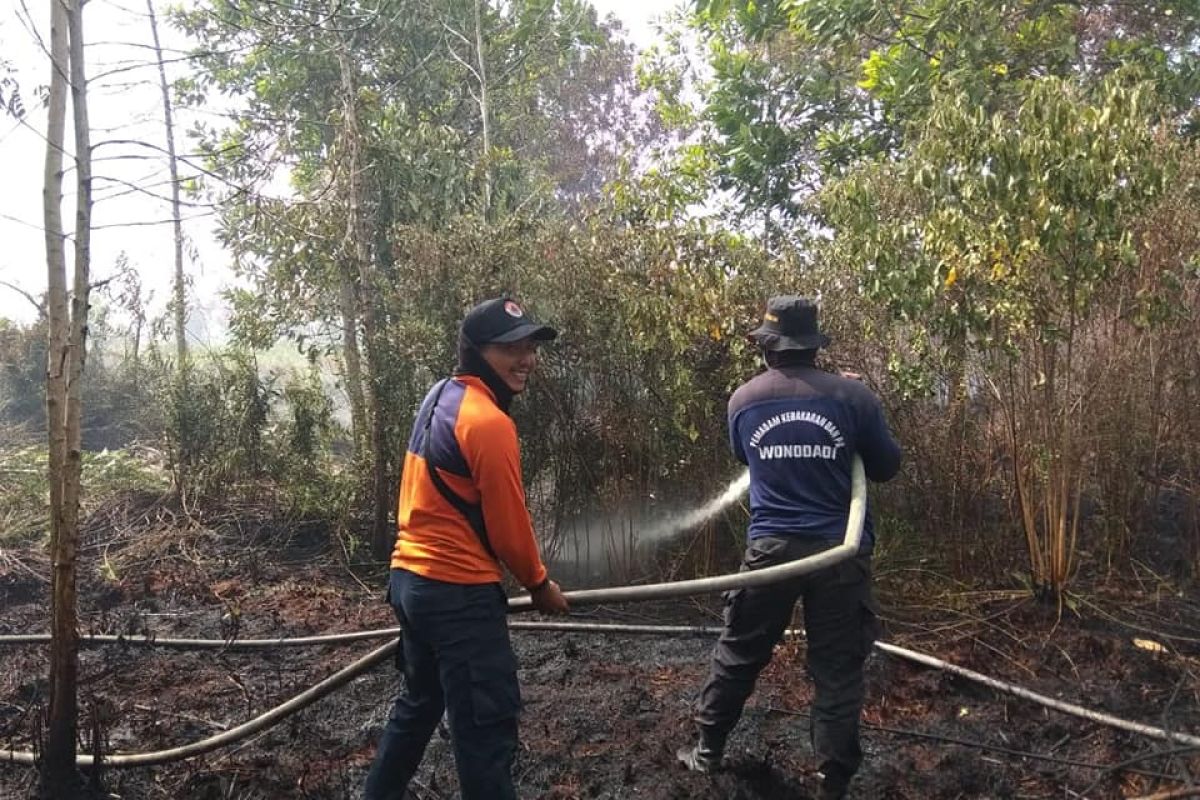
513	309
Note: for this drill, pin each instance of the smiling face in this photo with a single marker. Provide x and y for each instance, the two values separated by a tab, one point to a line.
513	362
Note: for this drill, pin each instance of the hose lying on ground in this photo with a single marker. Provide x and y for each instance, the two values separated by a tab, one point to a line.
243	731
234	645
375	657
1041	699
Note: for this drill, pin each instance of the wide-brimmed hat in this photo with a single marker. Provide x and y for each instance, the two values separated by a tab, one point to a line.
790	323
502	320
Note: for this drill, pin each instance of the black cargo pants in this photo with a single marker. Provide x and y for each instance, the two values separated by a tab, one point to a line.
840	625
457	658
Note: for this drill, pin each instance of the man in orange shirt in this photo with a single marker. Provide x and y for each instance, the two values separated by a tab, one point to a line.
461	515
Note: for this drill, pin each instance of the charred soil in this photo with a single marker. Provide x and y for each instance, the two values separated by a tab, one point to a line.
604	714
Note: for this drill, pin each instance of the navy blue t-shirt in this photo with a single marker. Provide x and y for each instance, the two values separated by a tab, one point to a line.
798	428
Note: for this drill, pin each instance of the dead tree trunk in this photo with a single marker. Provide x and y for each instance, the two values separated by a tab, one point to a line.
58	763
484	109
179	303
64	400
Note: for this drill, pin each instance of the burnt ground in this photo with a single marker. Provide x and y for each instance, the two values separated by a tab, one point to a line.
603	714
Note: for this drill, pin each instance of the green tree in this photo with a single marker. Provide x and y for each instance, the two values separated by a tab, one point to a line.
804	90
1000	232
390	118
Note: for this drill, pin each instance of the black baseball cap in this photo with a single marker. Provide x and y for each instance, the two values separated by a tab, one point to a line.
502	320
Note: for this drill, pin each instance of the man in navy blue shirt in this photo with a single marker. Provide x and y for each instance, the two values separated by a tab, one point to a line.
798	428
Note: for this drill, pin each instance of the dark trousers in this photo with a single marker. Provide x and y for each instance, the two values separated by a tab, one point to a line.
840	625
456	658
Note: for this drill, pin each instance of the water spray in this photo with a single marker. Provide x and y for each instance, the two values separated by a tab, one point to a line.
698	516
604	547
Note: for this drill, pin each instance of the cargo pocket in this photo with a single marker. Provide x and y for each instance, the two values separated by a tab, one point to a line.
731	604
495	693
872	627
765	551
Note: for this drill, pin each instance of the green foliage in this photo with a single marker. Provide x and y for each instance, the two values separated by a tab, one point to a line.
109	471
23	374
631	399
554	78
801	91
559	88
995	226
996	233
216	420
973	185
233	426
118	409
664	70
313	483
24	492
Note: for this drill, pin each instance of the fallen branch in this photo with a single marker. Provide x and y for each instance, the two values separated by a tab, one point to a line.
1173	794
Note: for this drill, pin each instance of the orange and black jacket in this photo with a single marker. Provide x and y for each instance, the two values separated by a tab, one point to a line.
461	532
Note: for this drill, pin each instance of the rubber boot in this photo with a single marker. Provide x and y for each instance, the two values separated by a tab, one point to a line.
705	755
834	784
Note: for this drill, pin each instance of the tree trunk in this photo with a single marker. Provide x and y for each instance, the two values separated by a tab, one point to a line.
137	350
80	301
179	303
353	366
58	763
64	401
356	237
484	110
